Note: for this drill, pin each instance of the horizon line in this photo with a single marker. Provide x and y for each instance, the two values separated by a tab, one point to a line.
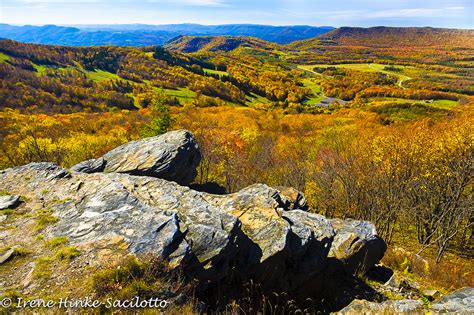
225	24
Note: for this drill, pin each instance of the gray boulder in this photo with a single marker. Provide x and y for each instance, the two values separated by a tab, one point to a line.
458	302
386	307
7	255
172	156
9	202
357	245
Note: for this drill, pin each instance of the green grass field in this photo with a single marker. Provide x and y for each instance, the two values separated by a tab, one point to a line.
439	104
255	99
101	75
4	57
368	67
182	94
317	91
220	73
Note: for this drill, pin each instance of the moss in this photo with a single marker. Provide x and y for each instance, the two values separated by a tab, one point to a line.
7	211
42	268
67	253
56	241
44	218
17	251
20	251
393	295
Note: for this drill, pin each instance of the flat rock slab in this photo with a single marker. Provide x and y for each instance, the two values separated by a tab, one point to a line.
9	202
6	256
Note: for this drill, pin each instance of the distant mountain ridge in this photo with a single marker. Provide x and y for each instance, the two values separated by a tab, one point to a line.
382	36
144	35
189	44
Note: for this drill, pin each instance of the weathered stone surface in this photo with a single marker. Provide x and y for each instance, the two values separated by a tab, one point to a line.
250	232
9	202
458	302
296	198
357	245
387	307
172	156
6	256
89	166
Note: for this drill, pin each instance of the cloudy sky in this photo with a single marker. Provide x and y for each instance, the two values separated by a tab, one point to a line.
437	13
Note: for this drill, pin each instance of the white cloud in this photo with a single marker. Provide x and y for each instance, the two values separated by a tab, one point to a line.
411	13
201	3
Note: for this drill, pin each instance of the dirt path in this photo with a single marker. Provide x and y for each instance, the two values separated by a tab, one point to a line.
401	78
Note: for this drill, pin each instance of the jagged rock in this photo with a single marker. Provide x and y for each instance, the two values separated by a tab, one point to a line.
296	198
431	294
357	244
250	232
89	166
386	307
6	256
458	302
280	238
9	202
172	156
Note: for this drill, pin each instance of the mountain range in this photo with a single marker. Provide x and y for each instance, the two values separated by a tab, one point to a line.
144	35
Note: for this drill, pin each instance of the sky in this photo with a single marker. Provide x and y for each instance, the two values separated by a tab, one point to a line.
435	13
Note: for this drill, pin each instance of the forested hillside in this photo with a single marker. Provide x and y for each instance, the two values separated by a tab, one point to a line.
394	37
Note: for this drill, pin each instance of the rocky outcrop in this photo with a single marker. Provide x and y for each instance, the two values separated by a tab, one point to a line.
386	307
259	233
9	202
250	232
357	245
458	302
173	156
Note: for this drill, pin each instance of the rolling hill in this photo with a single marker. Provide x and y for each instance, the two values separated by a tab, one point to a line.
144	35
190	44
390	37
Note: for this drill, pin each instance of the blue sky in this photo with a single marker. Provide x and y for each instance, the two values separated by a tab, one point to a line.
437	13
